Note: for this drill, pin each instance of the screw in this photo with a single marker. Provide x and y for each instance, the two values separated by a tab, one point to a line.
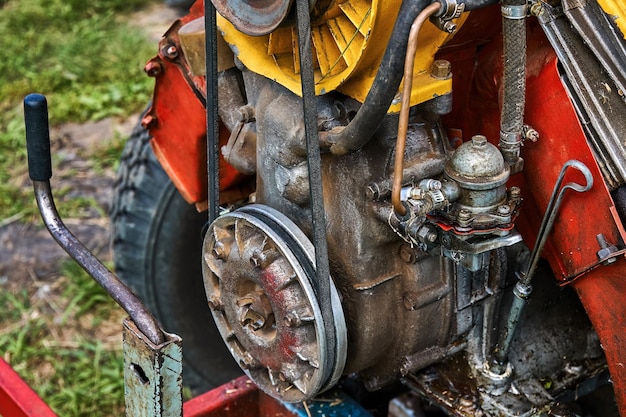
441	69
449	27
531	134
153	68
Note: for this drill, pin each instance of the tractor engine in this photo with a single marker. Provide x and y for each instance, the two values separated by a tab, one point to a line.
423	248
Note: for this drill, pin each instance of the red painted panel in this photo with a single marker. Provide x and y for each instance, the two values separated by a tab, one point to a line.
238	398
602	292
17	399
572	246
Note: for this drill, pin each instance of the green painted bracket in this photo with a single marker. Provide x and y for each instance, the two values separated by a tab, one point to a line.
152	374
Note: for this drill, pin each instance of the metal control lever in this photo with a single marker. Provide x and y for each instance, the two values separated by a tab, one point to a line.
40	172
523	288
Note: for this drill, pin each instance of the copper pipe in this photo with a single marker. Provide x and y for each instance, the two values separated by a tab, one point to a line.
403	123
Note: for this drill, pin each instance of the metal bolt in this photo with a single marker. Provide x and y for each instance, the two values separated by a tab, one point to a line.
259	260
504	210
215	303
371	192
537	9
409	299
149	121
407	254
515	193
153	68
466	401
248	362
292	320
531	134
219	251
441	69
479	141
170	52
246	113
606	250
449	26
464	217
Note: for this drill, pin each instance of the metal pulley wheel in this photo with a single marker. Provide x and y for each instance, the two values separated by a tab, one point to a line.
258	271
254	17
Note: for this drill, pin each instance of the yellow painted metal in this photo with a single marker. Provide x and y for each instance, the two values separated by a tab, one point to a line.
617	10
349	41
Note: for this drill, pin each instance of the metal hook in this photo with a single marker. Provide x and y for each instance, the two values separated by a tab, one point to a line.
553	209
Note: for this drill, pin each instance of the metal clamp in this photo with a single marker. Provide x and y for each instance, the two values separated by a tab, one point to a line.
450	9
514	12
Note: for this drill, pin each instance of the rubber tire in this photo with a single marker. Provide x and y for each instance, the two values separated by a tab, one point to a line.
157	242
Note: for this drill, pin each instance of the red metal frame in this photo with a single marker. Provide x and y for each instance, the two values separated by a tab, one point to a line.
177	123
238	398
17	399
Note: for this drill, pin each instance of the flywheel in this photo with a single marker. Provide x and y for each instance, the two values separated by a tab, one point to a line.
258	271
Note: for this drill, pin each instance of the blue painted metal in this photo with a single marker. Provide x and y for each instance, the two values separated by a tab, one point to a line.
333	403
152	374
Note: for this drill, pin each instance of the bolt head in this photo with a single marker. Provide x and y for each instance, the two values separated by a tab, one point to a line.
148	121
410	299
441	69
153	68
215	303
504	210
170	52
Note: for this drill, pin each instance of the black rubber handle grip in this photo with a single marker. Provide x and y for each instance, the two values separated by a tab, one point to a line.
37	137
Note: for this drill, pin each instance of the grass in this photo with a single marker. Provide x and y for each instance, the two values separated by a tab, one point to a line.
50	341
82	55
63	336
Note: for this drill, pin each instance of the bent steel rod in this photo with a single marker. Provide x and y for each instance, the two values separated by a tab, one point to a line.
40	172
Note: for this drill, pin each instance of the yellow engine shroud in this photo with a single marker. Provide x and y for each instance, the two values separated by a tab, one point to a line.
349	41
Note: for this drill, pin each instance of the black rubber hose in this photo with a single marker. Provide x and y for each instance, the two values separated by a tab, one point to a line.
478	4
514	81
385	86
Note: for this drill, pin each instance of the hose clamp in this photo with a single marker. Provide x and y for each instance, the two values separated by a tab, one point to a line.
510	138
450	9
514	12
